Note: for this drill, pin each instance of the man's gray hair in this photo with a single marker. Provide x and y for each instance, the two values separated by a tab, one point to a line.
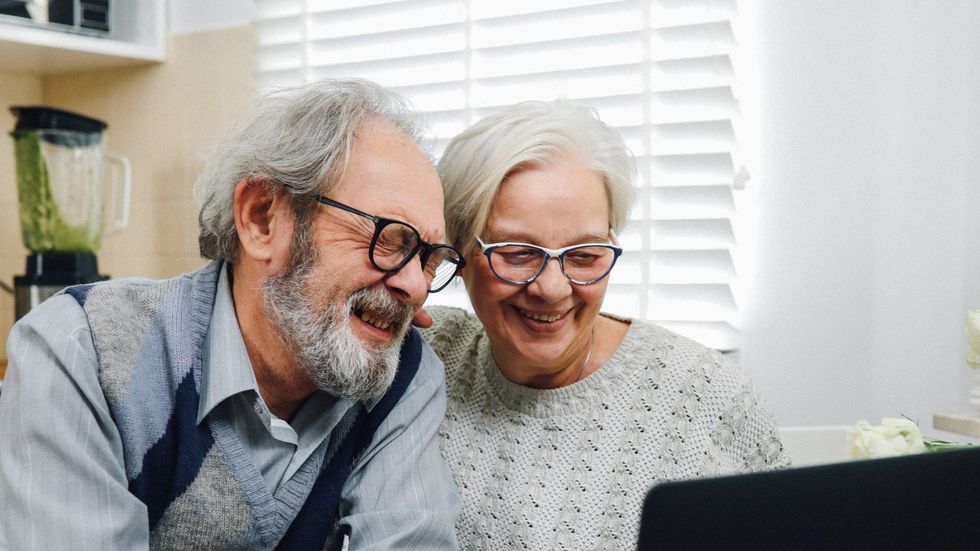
477	161
299	139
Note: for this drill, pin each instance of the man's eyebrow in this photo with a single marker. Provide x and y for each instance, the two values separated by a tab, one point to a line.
427	233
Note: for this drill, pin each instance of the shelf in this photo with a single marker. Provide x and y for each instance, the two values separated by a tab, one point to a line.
35	51
137	36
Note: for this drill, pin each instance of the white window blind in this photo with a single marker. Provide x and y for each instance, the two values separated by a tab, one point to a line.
662	72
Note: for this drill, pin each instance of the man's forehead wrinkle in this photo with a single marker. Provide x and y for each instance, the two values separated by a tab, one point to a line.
392	177
430	230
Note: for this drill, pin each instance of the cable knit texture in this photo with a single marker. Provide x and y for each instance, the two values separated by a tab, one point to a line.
568	468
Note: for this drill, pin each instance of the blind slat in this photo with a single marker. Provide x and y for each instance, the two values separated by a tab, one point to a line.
691	234
692	301
392	45
394	17
693	266
593	21
510	8
692	202
674	13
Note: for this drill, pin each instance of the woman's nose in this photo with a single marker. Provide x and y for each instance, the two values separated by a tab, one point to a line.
551	284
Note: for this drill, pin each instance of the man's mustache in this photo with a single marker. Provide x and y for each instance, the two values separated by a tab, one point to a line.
380	302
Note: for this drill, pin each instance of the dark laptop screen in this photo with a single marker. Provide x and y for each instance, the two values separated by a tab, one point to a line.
926	501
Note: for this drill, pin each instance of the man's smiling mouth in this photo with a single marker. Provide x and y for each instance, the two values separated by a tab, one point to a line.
373	319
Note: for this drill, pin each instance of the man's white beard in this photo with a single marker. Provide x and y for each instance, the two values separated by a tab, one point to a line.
322	339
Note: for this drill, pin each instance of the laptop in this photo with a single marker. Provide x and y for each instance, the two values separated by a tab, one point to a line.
924	501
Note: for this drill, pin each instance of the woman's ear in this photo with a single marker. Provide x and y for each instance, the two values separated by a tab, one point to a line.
263	221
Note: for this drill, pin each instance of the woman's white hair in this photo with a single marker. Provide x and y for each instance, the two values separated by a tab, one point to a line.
297	139
530	133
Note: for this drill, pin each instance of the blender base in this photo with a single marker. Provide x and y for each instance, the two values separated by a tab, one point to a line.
48	273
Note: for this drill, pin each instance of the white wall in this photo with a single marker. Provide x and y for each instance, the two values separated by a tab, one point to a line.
867	250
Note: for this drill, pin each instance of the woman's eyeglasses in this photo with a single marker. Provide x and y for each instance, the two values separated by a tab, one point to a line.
522	263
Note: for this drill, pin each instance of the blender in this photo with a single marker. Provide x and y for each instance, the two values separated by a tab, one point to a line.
64	183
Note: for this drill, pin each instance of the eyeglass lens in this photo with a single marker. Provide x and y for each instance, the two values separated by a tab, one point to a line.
396	243
519	264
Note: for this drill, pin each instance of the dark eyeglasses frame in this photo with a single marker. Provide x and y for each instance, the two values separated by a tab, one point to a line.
488	249
380	223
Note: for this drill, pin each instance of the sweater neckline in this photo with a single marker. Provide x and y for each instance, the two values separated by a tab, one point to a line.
569	399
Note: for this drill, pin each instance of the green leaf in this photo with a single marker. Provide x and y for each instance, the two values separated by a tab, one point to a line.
942	445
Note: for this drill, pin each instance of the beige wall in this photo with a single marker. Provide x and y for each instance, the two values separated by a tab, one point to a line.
164	118
15	89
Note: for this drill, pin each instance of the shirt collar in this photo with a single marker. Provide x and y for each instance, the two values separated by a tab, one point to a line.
226	367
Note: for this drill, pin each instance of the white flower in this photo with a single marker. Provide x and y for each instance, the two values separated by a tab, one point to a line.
973	337
894	436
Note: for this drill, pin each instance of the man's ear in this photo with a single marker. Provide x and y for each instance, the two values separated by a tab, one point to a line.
263	221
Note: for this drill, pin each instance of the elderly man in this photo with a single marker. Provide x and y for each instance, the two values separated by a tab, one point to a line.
275	398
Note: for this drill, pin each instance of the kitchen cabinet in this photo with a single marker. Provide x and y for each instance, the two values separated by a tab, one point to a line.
137	35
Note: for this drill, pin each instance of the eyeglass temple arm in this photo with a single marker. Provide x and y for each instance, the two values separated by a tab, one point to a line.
328	201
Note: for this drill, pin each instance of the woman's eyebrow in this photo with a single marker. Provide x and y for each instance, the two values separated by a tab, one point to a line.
520	237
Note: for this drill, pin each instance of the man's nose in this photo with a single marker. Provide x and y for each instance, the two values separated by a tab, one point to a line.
409	284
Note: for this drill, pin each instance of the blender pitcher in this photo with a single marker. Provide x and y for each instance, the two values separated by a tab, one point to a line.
64	184
61	181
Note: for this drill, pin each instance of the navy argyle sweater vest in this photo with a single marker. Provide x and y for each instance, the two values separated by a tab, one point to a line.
199	485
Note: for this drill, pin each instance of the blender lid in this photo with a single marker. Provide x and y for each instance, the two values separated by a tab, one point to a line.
50	118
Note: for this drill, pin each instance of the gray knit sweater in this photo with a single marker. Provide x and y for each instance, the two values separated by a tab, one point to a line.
568	468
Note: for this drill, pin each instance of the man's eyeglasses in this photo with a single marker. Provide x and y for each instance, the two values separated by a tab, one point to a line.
394	243
522	263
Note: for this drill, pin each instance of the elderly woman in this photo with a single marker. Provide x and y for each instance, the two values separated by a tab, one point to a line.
560	417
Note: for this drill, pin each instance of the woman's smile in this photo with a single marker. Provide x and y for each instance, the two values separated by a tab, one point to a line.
541	321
